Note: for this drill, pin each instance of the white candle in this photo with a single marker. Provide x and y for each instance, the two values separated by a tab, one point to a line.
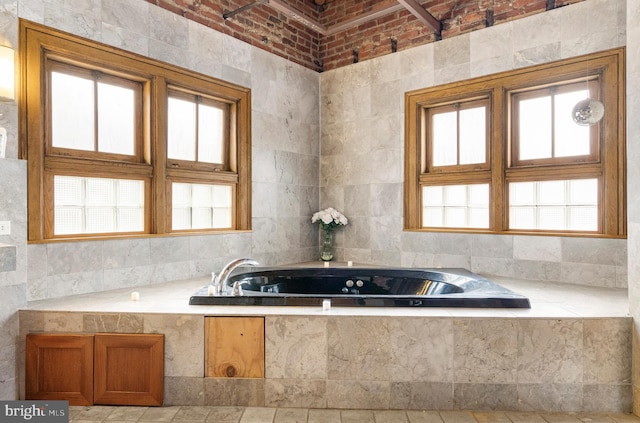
326	264
326	305
210	290
135	296
349	263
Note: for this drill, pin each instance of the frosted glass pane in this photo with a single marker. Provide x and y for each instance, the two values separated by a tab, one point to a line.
181	130
583	191
202	195
455	195
116	117
552	192
535	128
96	205
551	217
181	218
522	217
100	191
200	206
570	139
100	219
472	135
433	216
130	193
551	205
479	194
455	217
72	112
445	144
180	194
130	219
221	217
210	134
201	218
68	191
461	206
478	217
222	196
522	193
583	218
432	196
68	220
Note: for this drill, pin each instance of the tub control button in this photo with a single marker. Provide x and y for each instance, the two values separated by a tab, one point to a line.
349	283
359	284
345	290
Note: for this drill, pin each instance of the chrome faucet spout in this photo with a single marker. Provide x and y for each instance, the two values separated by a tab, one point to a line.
223	277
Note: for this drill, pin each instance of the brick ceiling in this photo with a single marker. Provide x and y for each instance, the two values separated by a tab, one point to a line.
327	34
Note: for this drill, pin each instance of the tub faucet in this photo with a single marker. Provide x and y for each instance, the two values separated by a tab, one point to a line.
223	276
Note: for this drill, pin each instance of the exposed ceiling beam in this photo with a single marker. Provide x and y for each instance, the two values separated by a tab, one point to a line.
423	15
230	14
382	8
297	16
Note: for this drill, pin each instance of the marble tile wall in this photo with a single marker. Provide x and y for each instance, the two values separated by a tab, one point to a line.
633	190
362	138
358	161
285	133
285	122
13	278
383	362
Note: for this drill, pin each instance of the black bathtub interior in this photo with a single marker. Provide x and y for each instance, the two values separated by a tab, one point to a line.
356	286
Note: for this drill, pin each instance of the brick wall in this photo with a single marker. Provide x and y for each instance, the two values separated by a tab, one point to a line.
268	29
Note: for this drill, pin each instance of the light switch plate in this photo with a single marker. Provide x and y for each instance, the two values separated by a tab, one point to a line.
5	227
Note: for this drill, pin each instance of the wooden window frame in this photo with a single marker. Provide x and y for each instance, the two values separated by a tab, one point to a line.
227	108
594	138
457	106
608	164
95	75
41	46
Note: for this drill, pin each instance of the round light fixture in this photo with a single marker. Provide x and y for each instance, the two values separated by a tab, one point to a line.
587	112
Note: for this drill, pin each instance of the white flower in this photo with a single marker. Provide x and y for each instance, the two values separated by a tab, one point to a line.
329	219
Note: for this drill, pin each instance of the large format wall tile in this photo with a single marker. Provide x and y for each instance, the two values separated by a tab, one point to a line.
183	342
389	362
358	348
550	351
485	350
422	349
296	347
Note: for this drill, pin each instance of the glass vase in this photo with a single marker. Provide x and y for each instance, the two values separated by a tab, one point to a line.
326	250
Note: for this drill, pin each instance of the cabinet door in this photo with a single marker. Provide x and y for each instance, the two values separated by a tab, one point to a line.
59	367
234	347
129	369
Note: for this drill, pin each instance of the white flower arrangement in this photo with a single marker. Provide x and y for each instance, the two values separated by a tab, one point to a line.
329	219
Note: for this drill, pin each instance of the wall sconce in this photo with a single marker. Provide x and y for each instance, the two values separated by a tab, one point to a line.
7	87
7	74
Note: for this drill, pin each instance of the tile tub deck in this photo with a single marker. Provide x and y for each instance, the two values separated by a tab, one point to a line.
570	352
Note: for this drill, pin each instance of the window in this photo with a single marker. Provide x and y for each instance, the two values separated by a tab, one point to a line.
502	154
122	145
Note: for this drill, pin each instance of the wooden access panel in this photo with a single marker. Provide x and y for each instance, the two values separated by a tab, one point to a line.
234	347
59	367
129	369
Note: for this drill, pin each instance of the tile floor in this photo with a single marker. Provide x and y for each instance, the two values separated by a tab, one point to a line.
195	414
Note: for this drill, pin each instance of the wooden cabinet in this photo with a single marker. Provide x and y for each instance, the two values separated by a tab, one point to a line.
128	369
60	367
234	347
103	368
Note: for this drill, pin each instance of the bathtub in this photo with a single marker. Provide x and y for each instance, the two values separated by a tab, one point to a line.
373	287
